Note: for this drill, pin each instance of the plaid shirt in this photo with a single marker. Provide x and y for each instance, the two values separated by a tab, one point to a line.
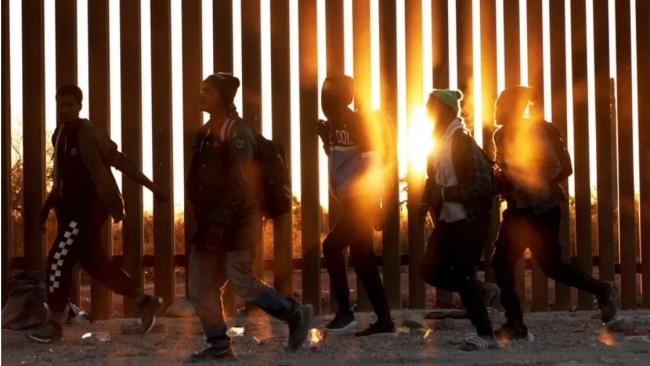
475	187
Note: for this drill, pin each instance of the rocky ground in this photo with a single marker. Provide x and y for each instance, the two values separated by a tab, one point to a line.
560	338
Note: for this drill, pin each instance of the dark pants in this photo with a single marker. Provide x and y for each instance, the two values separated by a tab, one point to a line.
453	252
540	233
79	240
354	229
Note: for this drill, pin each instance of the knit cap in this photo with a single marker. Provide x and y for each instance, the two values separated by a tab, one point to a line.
448	97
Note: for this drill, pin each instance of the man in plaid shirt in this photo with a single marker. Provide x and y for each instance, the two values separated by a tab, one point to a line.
458	194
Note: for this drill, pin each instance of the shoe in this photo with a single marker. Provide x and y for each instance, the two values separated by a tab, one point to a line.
46	333
479	343
378	327
212	353
148	307
608	303
343	321
512	331
299	324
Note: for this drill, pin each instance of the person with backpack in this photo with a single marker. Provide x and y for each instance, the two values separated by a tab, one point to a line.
223	189
458	194
533	161
353	159
84	193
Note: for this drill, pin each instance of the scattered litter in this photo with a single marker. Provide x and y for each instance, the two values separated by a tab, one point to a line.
531	337
606	338
98	336
428	335
315	339
258	341
236	331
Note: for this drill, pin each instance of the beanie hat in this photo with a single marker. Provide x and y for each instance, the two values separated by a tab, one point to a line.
338	89
226	84
449	97
516	98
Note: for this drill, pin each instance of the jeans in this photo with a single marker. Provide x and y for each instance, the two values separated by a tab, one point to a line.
210	270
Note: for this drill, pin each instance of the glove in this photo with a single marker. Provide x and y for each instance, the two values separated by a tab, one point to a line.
323	130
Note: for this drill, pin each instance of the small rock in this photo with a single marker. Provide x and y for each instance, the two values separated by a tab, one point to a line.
413	321
181	308
445	324
639	338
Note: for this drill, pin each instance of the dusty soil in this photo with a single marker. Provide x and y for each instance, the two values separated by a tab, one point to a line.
561	338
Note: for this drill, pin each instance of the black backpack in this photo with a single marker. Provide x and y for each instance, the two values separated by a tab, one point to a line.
560	148
275	182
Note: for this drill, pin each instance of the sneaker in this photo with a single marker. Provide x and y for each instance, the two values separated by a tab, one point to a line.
212	353
479	343
46	333
299	324
512	331
343	321
378	327
608	303
148	308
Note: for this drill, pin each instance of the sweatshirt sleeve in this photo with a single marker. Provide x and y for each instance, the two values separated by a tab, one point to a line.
109	153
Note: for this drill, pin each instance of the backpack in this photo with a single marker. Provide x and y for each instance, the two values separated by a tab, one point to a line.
561	151
275	181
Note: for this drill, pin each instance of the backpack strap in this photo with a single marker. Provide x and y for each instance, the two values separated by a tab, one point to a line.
225	128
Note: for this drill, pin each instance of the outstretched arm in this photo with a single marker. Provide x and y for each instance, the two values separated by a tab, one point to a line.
109	153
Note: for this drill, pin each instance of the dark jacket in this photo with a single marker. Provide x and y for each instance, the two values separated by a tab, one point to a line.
475	188
99	153
220	182
539	166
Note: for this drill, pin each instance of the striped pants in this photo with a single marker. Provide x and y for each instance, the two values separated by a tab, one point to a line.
79	240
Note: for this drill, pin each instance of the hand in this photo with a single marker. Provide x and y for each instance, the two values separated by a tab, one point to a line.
323	130
42	219
160	194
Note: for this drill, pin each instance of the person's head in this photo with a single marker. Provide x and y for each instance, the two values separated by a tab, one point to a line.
443	106
512	103
68	103
218	92
336	94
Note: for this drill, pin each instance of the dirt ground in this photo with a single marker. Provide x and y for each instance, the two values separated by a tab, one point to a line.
560	338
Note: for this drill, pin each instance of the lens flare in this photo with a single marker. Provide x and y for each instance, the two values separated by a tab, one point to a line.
419	141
